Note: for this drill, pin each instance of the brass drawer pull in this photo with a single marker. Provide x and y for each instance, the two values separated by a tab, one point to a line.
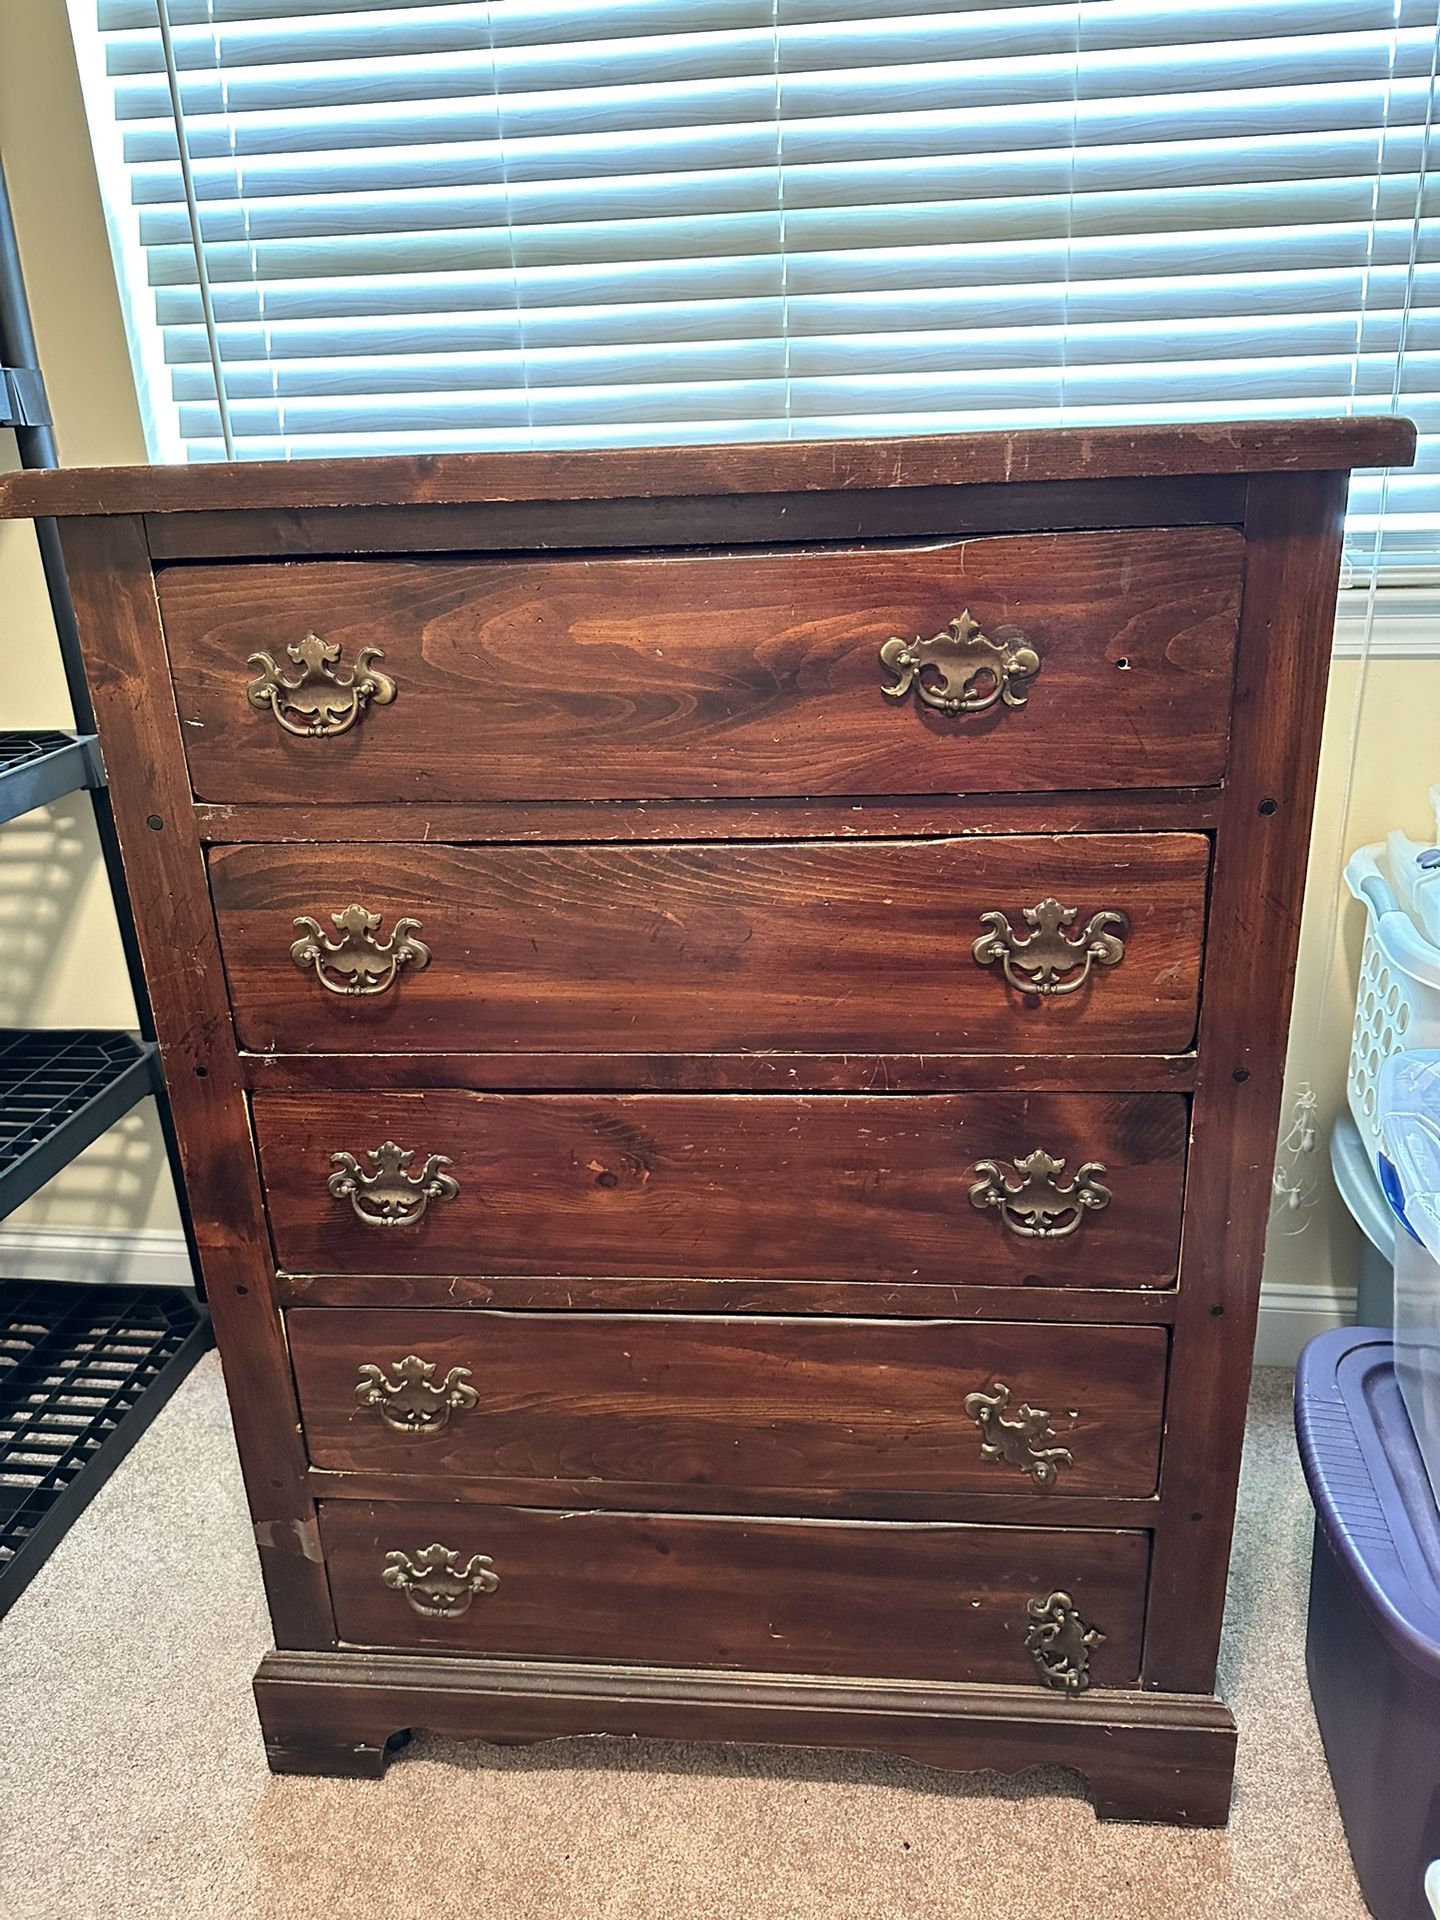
391	1196
357	962
1023	1442
1036	1204
412	1402
961	670
321	698
1060	1643
435	1583
1046	954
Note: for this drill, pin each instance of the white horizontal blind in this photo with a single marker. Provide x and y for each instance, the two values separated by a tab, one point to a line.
612	222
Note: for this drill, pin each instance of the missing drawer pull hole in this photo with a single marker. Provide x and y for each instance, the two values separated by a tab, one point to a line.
242	1290
1267	807
202	1073
1240	1076
1217	1313
1122	665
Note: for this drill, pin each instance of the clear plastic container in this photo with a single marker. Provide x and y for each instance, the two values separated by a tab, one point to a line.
1409	1100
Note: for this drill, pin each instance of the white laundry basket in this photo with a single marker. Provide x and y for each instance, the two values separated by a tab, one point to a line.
1397	1006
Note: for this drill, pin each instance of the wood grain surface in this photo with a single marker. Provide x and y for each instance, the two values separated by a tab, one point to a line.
735	675
705	949
893	817
580	1292
717	1306
738	1072
717	521
795	466
1143	1755
1296	529
794	1405
767	1596
779	1187
109	574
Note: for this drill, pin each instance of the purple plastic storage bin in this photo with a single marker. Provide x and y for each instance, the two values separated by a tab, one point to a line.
1373	1646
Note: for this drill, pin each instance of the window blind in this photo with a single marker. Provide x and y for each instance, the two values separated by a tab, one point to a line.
610	222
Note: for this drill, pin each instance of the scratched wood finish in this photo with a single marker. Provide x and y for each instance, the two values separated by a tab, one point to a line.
965	1506
693	520
1026	456
739	1072
686	1003
703	949
683	676
1142	1755
110	581
893	817
1295	529
582	1292
765	1596
793	1405
870	1189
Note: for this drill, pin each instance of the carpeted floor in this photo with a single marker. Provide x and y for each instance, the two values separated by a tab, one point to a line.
133	1788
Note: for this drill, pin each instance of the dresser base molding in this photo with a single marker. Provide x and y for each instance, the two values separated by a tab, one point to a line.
1143	1756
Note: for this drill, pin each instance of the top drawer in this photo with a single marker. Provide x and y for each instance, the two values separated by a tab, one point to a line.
1085	660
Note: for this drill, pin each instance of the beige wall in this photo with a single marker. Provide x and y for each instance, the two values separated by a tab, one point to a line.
1396	759
59	957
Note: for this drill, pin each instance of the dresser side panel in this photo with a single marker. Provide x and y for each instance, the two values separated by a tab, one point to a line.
1294	526
113	589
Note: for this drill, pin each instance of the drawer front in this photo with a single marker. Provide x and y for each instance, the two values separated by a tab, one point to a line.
914	946
1106	659
900	1601
935	1188
787	1405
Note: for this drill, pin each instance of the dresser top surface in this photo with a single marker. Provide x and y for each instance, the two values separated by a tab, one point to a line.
639	473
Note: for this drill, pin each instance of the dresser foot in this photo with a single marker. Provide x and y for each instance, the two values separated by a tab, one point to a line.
347	1733
334	1759
1179	1794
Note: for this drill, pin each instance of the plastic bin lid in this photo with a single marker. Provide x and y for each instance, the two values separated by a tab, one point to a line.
1409	1115
1372	1495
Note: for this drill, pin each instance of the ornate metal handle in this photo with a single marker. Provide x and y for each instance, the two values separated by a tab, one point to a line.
1060	1643
356	962
436	1584
391	1196
1036	1204
1023	1442
962	670
320	699
1047	954
412	1402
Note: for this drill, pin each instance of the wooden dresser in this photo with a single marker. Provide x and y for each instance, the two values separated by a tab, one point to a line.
725	1011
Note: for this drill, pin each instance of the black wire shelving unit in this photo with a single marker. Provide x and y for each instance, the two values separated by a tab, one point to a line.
84	1368
83	1372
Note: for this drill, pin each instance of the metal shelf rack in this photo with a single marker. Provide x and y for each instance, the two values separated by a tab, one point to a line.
83	1368
36	768
83	1372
